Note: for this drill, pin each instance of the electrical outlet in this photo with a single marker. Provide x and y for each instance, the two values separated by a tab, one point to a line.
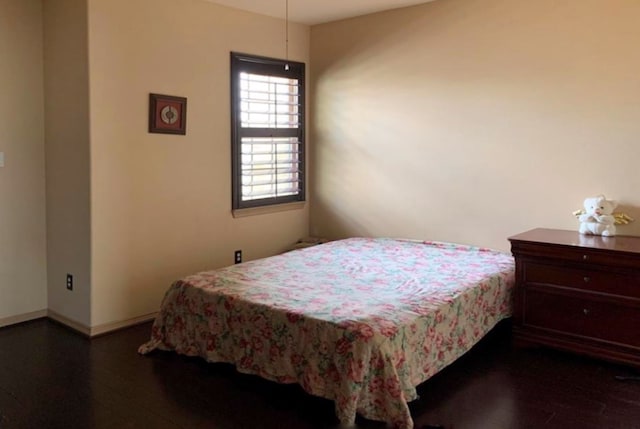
69	282
237	256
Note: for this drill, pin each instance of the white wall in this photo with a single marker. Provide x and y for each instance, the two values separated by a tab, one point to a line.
127	212
461	120
473	120
23	292
161	204
67	154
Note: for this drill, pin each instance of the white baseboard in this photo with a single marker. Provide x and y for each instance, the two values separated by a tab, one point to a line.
69	323
93	331
114	326
6	321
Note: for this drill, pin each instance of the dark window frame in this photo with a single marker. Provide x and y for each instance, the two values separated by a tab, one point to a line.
272	67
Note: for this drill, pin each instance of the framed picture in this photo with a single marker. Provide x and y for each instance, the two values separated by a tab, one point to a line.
167	114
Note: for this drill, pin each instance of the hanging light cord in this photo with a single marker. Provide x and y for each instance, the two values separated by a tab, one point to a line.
286	34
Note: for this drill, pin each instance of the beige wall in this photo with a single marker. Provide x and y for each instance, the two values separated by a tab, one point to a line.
22	184
472	120
67	158
161	204
459	120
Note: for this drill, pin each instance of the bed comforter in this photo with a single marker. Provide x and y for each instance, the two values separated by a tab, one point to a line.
360	321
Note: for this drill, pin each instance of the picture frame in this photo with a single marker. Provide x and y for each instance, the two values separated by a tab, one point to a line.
167	114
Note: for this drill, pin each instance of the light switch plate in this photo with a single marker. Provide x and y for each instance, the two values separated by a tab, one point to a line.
1	159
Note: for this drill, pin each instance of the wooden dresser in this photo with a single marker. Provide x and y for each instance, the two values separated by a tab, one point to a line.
578	293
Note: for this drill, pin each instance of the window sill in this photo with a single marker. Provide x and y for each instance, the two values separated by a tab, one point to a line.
267	209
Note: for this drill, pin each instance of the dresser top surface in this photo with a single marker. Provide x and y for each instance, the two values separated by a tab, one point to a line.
575	239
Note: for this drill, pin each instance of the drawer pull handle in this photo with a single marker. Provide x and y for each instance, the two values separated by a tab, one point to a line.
585	257
587	279
586	312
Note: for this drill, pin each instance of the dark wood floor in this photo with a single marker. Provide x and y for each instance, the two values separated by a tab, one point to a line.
53	378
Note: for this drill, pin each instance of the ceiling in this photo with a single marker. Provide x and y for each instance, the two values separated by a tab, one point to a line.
313	12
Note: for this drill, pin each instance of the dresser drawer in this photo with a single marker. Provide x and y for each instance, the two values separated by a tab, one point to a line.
585	279
583	317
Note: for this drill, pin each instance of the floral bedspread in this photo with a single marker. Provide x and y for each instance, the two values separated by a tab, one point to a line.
359	321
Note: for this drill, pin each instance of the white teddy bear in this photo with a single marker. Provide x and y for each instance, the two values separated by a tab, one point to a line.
597	218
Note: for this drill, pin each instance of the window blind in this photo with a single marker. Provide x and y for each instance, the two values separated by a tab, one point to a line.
269	142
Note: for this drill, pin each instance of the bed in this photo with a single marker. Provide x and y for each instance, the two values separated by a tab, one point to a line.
360	321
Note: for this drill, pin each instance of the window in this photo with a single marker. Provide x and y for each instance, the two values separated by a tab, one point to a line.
267	131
